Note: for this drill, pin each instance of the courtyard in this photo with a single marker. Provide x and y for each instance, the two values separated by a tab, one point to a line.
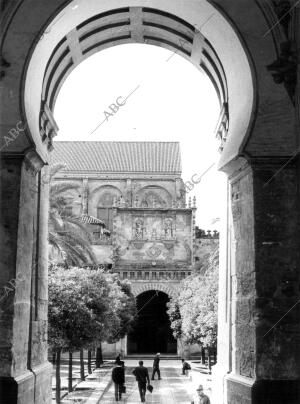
172	389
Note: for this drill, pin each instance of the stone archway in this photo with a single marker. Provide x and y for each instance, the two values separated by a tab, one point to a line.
138	288
259	277
152	332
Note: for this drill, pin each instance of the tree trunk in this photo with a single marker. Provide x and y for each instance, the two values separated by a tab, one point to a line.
99	357
70	379
89	362
81	365
203	356
53	358
215	356
57	374
209	360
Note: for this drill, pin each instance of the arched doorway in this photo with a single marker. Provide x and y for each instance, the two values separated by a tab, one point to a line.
152	332
262	246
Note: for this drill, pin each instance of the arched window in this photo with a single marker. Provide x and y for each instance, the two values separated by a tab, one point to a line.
105	208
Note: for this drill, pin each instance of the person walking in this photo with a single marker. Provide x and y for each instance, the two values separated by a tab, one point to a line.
156	366
142	377
118	377
118	359
202	398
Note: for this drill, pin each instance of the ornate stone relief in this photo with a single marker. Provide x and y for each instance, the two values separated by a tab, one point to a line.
138	244
153	200
154	251
236	204
188	249
168	228
138	254
138	229
153	228
284	68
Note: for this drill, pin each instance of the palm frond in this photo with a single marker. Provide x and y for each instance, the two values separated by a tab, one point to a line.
55	168
61	186
67	234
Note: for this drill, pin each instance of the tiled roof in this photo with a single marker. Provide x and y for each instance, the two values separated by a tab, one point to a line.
156	157
91	220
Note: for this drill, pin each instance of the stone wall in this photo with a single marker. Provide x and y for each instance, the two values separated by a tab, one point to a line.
153	236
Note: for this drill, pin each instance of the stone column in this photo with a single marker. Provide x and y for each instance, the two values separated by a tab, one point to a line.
85	195
25	373
265	304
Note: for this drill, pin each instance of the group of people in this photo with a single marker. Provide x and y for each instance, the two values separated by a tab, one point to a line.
141	374
142	377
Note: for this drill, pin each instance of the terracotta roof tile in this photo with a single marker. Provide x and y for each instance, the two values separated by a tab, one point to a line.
156	157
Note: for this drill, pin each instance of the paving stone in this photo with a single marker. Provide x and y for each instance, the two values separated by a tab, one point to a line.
173	388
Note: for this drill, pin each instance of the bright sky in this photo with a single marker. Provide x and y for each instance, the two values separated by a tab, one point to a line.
168	100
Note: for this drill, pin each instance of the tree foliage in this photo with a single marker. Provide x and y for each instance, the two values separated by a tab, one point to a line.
193	313
87	306
175	318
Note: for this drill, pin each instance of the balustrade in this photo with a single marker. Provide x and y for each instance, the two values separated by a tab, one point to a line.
154	275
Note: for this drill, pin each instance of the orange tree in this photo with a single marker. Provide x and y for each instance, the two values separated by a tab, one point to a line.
85	307
193	313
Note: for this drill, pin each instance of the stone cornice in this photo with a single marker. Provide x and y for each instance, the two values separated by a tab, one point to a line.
118	176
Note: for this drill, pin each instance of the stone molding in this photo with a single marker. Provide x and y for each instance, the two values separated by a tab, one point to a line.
137	289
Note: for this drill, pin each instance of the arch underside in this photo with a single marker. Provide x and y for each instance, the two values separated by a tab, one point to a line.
131	25
170	290
67	44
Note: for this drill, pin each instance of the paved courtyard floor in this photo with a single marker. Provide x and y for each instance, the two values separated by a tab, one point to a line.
173	388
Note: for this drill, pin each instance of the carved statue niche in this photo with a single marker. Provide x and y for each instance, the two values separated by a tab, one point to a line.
139	229
168	228
154	234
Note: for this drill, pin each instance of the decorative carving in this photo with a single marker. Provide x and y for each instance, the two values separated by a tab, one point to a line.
168	228
120	251
169	245
138	230
154	234
153	200
138	244
236	211
48	126
188	249
138	254
222	127
284	69
154	251
236	203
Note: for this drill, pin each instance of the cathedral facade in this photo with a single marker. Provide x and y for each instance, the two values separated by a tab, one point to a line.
136	189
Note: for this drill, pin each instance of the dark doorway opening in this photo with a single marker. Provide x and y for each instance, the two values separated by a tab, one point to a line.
152	332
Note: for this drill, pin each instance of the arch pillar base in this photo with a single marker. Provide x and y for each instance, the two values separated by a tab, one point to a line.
242	390
259	286
18	390
30	387
25	373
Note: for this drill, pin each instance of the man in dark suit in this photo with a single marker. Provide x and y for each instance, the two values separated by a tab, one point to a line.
156	367
118	377
142	377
